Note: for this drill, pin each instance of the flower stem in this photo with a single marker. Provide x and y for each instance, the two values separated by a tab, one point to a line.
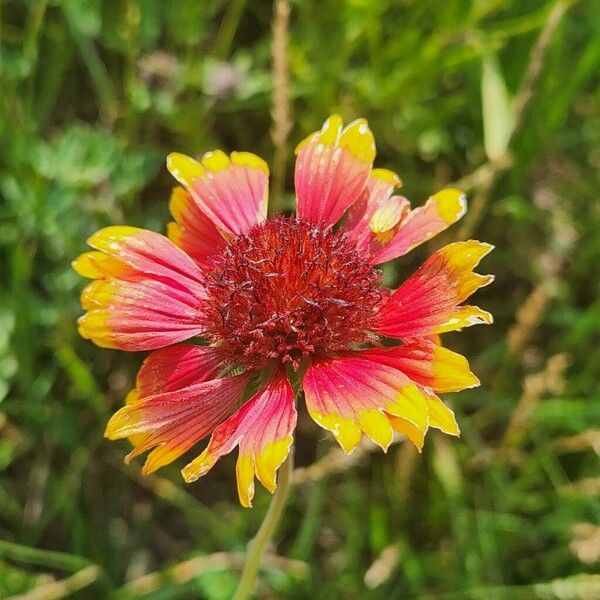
257	547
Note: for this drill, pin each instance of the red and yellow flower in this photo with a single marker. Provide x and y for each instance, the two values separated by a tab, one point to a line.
272	300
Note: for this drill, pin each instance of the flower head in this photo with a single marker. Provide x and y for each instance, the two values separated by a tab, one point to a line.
269	299
287	291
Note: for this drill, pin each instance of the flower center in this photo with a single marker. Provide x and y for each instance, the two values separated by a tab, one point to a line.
288	290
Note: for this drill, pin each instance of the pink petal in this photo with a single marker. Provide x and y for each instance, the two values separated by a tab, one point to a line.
177	367
146	252
193	231
438	213
354	393
428	365
146	292
428	301
376	197
175	404
263	429
231	190
332	168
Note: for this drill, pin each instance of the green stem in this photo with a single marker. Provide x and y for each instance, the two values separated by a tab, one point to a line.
96	68
44	558
257	547
228	28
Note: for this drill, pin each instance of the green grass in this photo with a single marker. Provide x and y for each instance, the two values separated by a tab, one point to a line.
95	94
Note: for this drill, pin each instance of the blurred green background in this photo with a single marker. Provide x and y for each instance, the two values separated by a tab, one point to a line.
500	95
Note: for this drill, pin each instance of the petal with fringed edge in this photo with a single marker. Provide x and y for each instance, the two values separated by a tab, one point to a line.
176	403
193	231
141	252
440	417
419	225
429	365
332	168
263	428
146	291
355	393
168	370
410	431
231	190
428	301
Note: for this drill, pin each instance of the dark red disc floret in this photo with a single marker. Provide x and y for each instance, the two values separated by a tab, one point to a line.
287	290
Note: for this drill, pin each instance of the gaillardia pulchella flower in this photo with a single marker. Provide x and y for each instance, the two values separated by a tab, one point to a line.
273	300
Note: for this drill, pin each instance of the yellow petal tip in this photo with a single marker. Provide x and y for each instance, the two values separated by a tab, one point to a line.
377	426
387	216
184	168
358	140
330	131
247	159
215	160
199	467
387	176
451	204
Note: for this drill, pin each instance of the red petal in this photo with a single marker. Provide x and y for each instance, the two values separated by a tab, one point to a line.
332	168
263	429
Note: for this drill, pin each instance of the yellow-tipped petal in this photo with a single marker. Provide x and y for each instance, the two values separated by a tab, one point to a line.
93	326
86	265
215	160
184	168
441	417
377	426
121	424
472	282
108	238
387	176
199	467
346	432
406	428
451	204
330	131
159	457
309	139
410	405
251	161
451	371
348	435
95	294
387	216
174	233
465	316
244	470
358	139
465	256
178	202
328	135
132	397
97	265
270	459
247	159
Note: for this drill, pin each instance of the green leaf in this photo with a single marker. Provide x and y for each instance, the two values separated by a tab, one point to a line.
498	114
81	156
85	16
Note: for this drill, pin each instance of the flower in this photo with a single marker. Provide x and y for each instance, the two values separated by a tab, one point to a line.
277	301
